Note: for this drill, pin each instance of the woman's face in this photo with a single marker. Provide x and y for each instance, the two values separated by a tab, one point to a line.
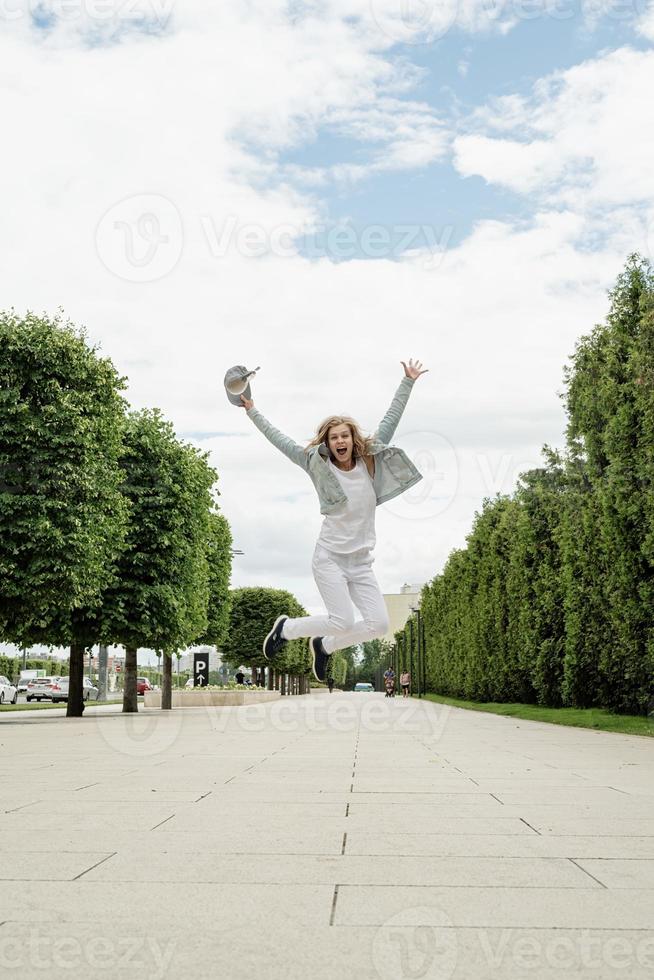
340	444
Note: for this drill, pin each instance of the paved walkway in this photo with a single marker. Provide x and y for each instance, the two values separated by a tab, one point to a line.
343	836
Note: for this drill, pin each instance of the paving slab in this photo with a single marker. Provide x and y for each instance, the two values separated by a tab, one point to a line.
323	836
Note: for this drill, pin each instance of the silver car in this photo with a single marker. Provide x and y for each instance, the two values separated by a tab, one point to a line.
40	688
59	690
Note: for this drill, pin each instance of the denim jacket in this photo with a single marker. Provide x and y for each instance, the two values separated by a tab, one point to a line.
394	471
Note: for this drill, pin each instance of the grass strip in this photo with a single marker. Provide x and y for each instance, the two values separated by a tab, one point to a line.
596	718
44	705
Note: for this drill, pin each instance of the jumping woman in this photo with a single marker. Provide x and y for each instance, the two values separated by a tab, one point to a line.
352	473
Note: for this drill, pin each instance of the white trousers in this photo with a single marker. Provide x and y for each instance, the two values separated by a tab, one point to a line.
343	580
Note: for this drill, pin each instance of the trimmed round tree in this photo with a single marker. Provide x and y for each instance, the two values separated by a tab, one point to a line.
253	611
219	561
62	513
161	594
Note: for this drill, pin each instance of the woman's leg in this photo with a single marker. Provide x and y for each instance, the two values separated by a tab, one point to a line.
366	595
331	581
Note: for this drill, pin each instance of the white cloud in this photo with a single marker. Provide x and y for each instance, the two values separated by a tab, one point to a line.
646	23
584	139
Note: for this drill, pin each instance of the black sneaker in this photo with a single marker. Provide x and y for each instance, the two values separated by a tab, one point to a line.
320	658
275	642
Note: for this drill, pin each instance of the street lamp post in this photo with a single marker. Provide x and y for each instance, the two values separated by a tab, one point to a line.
411	655
420	671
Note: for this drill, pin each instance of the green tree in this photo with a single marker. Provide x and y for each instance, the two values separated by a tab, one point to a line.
62	514
609	401
219	559
253	611
161	595
375	655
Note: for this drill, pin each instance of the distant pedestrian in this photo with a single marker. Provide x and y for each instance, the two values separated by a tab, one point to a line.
405	682
240	677
330	684
389	682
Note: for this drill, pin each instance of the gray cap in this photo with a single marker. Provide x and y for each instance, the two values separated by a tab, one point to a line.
237	383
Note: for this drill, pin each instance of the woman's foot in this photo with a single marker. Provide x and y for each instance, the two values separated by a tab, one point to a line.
275	642
320	658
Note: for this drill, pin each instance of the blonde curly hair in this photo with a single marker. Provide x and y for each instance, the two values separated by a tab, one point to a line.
362	444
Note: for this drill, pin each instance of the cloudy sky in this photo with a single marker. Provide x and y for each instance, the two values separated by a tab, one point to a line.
323	189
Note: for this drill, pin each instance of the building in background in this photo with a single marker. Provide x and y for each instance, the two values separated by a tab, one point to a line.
398	606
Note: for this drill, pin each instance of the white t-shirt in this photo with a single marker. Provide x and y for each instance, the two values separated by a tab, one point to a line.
352	526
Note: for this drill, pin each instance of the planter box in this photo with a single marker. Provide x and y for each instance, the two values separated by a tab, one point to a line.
198	698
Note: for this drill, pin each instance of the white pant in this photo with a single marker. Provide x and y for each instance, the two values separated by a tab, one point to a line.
343	580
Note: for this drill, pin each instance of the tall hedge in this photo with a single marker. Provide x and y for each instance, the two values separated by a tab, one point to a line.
552	598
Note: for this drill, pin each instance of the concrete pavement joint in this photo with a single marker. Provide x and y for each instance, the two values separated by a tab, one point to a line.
97	863
601	883
334	900
23	806
530	827
162	822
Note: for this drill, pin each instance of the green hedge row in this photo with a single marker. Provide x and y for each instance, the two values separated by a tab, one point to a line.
552	599
10	667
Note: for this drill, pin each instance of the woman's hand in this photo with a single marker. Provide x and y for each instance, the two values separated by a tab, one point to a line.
247	402
413	370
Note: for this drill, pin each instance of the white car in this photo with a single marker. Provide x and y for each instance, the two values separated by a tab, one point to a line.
39	688
8	692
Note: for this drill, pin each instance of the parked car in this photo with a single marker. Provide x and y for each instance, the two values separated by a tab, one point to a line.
25	677
361	686
40	688
143	685
58	690
7	691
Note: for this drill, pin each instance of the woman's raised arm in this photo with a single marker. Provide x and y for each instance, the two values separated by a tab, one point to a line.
284	443
386	428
